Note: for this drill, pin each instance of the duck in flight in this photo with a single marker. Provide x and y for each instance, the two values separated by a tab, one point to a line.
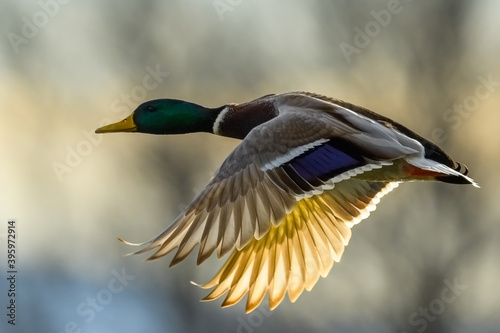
308	169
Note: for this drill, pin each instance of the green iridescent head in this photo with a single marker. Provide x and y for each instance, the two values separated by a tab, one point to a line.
165	116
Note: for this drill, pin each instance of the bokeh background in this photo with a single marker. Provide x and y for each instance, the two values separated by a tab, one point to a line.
425	261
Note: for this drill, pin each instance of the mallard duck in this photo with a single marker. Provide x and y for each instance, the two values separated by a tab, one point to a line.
308	169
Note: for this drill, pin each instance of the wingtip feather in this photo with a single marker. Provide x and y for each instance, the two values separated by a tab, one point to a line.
130	243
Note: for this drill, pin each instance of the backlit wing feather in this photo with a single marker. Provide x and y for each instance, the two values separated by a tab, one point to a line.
292	256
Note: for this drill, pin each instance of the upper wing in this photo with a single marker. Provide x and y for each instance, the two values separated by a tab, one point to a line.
293	156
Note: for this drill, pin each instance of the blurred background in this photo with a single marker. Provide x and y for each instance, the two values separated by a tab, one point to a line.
425	261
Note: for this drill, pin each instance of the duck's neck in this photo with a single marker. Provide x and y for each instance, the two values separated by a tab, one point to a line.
237	120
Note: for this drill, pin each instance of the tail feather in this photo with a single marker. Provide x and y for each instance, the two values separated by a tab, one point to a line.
441	172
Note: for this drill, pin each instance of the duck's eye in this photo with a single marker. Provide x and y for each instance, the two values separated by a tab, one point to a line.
150	108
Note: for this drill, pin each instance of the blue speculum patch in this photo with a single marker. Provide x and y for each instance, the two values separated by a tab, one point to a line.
322	163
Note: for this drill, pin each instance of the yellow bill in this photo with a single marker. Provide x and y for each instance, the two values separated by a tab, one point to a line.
126	125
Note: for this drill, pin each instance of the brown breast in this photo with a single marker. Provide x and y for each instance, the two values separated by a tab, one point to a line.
240	119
